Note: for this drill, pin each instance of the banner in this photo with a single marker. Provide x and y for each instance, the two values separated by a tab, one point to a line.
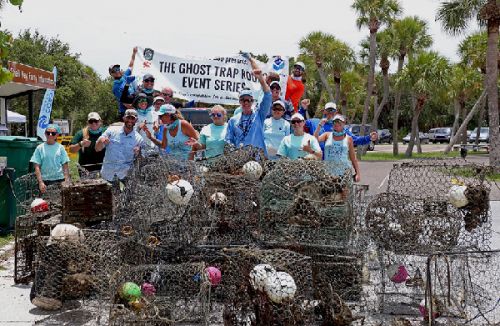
46	109
214	81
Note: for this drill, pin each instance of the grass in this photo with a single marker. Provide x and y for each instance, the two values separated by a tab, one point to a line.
73	169
5	239
376	156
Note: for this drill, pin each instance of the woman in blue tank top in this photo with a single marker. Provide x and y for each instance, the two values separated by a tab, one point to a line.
339	147
175	132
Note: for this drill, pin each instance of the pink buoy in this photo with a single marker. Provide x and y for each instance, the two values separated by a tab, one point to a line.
148	289
398	274
425	313
214	275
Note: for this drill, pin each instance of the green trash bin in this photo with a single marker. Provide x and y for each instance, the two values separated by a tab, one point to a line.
18	151
8	203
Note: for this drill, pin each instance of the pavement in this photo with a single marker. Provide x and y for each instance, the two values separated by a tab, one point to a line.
16	308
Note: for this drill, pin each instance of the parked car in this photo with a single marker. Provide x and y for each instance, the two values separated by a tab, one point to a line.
442	135
384	136
484	135
199	117
424	138
355	129
432	134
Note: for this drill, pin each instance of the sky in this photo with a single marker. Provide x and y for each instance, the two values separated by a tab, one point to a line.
105	31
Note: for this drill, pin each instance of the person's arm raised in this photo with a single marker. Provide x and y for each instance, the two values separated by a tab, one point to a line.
132	59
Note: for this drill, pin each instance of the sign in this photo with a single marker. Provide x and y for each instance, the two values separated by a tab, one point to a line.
46	110
63	124
31	76
216	81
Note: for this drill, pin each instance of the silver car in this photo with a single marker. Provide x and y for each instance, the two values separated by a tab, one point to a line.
484	135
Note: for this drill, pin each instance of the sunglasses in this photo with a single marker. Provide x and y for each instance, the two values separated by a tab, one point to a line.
93	121
149	80
142	101
298	67
51	133
167	94
216	115
296	121
276	87
246	100
278	108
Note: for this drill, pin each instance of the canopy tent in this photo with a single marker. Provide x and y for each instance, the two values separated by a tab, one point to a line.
14	117
25	81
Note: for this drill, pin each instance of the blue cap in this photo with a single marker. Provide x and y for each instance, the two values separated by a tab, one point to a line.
54	126
246	92
167	109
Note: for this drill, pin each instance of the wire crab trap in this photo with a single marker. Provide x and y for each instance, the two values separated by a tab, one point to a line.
167	294
74	264
435	205
303	202
462	288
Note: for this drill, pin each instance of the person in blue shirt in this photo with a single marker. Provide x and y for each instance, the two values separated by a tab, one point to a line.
120	78
211	142
326	125
275	129
247	127
50	160
122	145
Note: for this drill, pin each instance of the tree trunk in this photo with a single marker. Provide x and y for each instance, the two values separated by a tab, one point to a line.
385	97
456	106
369	87
419	105
324	81
463	127
463	136
336	80
397	102
480	120
492	90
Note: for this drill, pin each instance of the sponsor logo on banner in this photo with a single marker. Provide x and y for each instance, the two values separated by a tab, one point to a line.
213	81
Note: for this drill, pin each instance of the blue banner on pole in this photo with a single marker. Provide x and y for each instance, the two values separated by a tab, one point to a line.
46	109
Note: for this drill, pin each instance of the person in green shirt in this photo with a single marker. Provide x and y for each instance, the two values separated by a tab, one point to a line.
212	136
50	160
84	143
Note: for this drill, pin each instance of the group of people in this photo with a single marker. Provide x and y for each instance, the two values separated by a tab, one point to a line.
153	123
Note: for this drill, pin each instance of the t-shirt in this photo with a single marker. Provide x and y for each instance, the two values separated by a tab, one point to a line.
148	116
274	132
245	130
212	136
291	146
294	91
88	155
51	159
118	86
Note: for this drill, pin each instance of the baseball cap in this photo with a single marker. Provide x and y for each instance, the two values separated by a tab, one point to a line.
167	109
114	68
330	107
297	116
246	92
131	113
339	117
159	98
93	116
279	102
147	76
53	126
275	83
300	64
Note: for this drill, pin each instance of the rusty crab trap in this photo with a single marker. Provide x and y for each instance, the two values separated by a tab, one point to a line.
307	202
430	206
75	265
166	294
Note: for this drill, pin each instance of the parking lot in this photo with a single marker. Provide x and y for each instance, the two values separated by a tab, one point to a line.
387	148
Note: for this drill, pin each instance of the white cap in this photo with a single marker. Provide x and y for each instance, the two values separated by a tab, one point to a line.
330	106
297	116
93	116
275	83
160	98
279	102
300	64
339	117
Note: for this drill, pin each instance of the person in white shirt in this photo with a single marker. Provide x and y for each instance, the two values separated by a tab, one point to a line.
275	129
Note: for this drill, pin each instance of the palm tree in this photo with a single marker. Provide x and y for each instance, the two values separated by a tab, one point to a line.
455	16
411	35
372	14
341	58
425	74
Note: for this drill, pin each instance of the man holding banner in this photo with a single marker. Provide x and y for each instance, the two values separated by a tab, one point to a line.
247	127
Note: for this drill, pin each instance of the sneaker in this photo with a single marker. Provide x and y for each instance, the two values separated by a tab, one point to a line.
47	303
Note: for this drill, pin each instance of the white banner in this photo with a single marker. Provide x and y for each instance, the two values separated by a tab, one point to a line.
45	110
215	81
